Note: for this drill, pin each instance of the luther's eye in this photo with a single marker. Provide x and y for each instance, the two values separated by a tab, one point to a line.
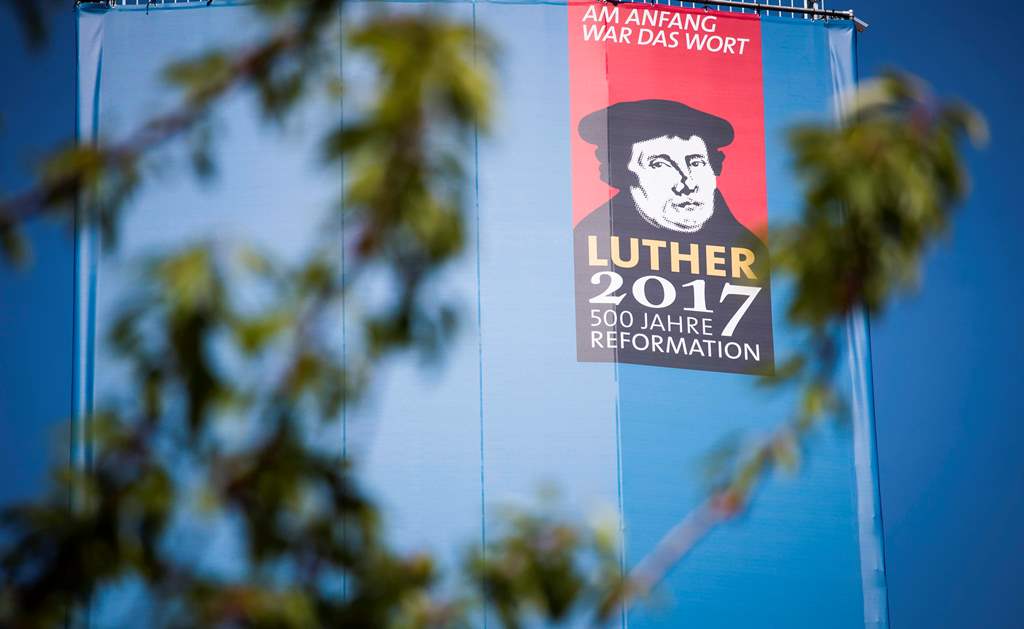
697	162
658	163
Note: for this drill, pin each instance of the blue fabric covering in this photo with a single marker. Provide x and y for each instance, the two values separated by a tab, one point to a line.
512	410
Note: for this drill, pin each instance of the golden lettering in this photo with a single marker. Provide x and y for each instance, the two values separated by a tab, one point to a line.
653	246
713	261
593	260
634	253
693	257
742	260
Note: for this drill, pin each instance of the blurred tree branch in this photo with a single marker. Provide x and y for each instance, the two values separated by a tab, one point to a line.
314	555
880	187
31	16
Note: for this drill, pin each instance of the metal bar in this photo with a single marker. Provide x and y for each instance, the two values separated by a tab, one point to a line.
805	11
757	6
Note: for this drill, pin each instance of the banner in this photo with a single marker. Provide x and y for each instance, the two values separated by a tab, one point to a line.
668	119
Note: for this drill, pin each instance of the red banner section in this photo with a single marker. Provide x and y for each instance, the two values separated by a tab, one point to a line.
708	60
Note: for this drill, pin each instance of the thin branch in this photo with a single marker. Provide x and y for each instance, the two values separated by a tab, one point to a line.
676	544
733	495
245	67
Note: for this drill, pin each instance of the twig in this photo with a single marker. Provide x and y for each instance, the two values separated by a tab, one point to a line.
42	197
676	543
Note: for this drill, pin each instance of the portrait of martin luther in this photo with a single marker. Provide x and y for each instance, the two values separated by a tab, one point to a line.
664	158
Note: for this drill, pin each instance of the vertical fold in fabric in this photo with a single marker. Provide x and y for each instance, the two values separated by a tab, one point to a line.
843	66
90	69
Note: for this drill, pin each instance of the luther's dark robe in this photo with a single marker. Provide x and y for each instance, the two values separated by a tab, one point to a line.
752	337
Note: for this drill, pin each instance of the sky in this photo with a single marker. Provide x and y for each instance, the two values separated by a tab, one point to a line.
945	356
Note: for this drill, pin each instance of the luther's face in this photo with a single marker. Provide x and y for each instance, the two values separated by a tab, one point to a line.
675	183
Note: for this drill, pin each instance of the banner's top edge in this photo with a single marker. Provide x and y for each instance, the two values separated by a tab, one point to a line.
761	9
104	6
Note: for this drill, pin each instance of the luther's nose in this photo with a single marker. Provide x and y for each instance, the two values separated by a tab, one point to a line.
686	185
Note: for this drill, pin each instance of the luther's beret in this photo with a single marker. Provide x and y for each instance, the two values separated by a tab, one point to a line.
616	128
